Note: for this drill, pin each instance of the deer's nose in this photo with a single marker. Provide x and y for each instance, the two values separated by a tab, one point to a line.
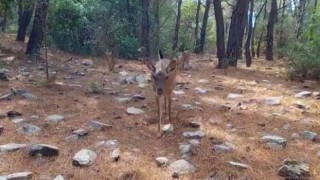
160	91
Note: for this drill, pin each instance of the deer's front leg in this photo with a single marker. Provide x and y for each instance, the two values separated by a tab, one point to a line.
165	105
159	115
169	107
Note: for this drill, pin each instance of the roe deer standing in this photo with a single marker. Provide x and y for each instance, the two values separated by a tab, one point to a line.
163	76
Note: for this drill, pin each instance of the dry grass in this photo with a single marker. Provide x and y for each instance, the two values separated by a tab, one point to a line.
137	134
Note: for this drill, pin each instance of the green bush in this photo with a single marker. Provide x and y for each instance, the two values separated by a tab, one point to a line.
128	47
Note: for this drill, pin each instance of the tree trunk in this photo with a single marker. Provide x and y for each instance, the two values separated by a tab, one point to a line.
196	31
219	32
38	29
254	29
25	15
281	43
300	18
4	22
259	43
270	27
236	32
204	26
145	27
176	30
155	30
250	28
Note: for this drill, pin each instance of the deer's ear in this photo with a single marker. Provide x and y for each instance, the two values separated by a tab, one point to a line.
172	66
150	65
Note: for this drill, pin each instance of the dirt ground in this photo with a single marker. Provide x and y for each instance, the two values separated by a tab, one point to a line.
137	133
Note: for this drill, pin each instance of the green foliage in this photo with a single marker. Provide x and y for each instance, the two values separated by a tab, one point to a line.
128	47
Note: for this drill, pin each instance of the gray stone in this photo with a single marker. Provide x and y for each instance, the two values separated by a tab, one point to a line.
72	137
43	150
84	157
11	147
168	128
287	126
187	107
87	62
29	129
272	101
55	118
180	92
182	167
303	94
194	135
293	169
80	132
3	76
20	176
135	111
201	90
60	177
123	100
308	135
233	96
316	94
3	178
299	105
129	80
28	95
194	142
6	97
185	148
110	144
98	125
17	120
34	117
274	141
141	79
224	148
238	165
115	155
138	97
162	161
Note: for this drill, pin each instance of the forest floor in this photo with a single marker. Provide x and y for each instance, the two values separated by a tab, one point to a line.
239	121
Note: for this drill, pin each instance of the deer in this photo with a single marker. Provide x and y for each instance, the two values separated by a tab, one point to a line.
163	78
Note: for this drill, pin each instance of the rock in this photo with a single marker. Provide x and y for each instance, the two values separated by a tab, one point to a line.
29	129
142	85
123	100
55	119
194	142
84	157
224	148
6	97
43	150
287	126
17	120
272	101
129	80
12	114
194	135
162	161
182	167
28	95
185	148
135	111
168	128
187	107
98	125
274	141
20	176
238	165
203	81
138	97
60	177
316	139
295	136
3	178
303	94
201	91
11	147
110	144
194	124
87	62
293	169
141	79
80	132
299	105
316	94
72	137
34	117
308	135
115	155
180	92
233	96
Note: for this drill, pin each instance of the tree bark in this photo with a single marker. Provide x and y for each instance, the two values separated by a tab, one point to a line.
4	22
236	32
259	43
204	26
253	52
250	28
281	43
196	31
176	30
145	27
270	27
25	14
38	29
300	18
219	32
155	30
